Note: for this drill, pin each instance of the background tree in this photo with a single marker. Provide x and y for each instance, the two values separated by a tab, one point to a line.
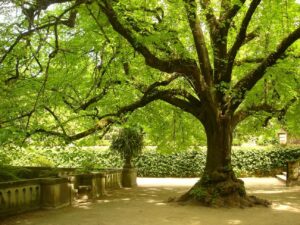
218	61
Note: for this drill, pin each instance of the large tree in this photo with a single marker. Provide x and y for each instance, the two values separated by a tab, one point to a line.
206	58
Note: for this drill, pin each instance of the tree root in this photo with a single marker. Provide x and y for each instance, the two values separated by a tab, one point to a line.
221	192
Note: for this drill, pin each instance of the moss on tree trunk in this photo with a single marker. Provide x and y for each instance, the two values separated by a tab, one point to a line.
219	187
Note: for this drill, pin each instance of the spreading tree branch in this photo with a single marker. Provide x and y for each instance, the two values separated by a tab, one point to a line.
70	22
157	84
56	119
199	40
185	66
250	79
178	98
209	14
23	115
240	39
254	109
228	12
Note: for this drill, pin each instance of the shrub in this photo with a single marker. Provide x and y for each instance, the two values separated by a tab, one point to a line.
246	162
129	144
6	175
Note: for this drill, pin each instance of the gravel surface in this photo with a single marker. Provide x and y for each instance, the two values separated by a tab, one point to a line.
147	205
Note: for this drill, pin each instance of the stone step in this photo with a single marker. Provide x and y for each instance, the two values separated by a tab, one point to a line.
281	177
284	173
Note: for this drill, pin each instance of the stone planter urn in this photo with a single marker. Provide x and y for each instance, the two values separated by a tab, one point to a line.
128	143
129	176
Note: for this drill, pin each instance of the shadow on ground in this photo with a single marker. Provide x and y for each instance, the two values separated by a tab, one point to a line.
147	205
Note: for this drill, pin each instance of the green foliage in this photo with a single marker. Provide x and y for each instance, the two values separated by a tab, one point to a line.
89	65
245	161
4	158
180	164
10	173
129	143
199	193
72	157
261	163
168	127
6	175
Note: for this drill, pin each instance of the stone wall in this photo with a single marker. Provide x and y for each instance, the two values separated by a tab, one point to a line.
293	175
95	184
49	193
113	178
26	195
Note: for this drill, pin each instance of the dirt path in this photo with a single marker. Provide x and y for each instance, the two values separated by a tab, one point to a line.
146	205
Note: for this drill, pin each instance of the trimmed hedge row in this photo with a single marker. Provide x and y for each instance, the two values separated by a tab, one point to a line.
246	162
252	162
180	164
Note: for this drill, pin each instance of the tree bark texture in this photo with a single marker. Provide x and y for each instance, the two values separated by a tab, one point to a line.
218	186
213	97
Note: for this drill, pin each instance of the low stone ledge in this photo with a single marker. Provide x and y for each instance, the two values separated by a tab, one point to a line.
55	193
51	193
19	183
293	175
27	195
53	180
19	196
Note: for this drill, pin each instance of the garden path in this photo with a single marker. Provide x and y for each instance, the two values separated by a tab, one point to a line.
147	205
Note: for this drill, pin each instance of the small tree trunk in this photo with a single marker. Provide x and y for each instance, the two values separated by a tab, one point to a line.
219	186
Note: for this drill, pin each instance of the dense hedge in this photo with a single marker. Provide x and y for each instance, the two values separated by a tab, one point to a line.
252	162
181	164
246	162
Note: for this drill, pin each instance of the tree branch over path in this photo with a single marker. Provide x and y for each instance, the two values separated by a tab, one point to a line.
240	38
229	12
56	119
187	67
250	79
209	14
218	31
199	40
176	97
165	95
275	112
70	22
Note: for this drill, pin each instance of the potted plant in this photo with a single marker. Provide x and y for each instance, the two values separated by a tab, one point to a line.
129	143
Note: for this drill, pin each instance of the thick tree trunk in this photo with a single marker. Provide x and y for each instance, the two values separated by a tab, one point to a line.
219	186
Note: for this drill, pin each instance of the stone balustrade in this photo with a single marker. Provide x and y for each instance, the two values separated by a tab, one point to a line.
95	184
113	178
48	193
26	195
